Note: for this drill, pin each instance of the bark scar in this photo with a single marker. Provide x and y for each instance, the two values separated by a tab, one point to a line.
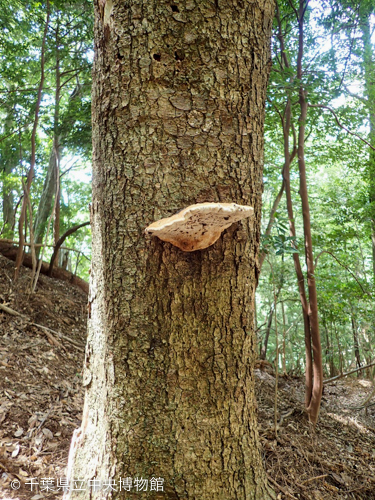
105	7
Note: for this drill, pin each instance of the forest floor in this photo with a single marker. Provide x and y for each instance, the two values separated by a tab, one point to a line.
41	400
334	460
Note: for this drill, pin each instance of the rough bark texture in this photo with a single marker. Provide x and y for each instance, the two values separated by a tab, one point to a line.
178	109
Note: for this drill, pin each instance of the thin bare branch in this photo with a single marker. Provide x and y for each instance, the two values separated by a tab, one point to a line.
340	124
356	96
295	10
61	241
342	375
344	266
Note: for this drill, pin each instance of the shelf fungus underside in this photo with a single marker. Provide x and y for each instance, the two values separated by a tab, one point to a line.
198	226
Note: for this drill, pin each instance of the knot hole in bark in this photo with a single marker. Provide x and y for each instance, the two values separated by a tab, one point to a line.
179	55
174	8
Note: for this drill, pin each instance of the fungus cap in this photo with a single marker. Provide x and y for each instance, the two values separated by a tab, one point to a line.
198	226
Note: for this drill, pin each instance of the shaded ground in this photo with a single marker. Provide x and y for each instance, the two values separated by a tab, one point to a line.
334	461
40	378
41	399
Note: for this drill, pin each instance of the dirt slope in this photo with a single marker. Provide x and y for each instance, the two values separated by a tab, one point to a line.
40	378
336	460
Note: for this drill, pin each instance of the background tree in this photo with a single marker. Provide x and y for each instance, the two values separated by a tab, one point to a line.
294	83
337	150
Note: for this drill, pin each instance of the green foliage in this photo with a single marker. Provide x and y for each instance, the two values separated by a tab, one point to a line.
280	242
65	111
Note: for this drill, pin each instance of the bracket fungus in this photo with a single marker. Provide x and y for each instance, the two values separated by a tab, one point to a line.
198	226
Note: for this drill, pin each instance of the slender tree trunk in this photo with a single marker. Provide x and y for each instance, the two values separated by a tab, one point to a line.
30	174
45	203
356	344
296	260
284	337
328	349
366	9
178	112
8	207
316	393
333	368
263	351
59	243
287	125
9	163
56	220
341	363
56	141
52	182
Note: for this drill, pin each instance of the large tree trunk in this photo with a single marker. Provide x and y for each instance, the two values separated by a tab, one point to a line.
178	111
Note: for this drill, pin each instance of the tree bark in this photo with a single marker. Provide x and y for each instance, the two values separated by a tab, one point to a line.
296	260
56	139
178	112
